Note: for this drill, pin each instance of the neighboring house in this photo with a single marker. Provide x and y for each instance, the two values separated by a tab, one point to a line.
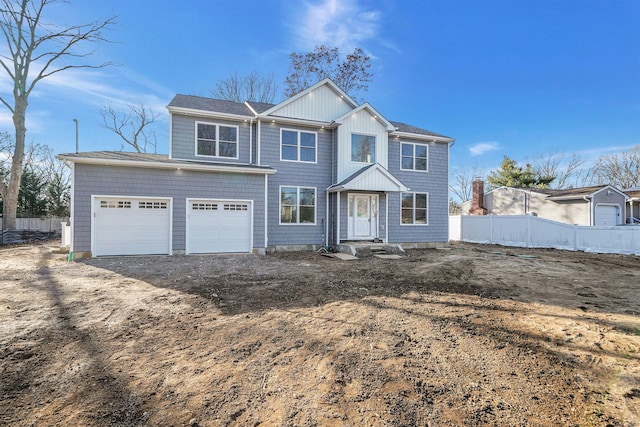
313	171
598	205
633	205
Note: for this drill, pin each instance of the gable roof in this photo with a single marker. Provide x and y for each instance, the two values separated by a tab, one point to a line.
564	194
324	82
373	177
191	104
376	115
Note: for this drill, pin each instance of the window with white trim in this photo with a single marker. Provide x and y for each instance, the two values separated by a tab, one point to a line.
415	208
363	148
414	156
297	205
298	146
204	206
113	204
215	140
152	205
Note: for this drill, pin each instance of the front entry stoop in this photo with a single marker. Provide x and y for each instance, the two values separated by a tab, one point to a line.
366	249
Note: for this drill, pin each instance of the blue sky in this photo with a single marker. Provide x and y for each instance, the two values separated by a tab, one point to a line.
521	78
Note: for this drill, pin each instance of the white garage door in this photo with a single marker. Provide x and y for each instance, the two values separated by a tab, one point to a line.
607	215
218	226
131	226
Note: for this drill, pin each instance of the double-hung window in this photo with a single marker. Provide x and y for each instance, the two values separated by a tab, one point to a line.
215	140
297	205
363	148
415	208
415	156
298	146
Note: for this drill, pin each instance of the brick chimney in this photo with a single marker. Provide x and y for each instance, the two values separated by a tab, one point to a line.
477	200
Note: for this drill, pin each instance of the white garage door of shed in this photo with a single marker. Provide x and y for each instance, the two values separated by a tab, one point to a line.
218	226
607	215
131	226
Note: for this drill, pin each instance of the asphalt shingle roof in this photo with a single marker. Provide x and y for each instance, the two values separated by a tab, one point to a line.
210	104
239	108
145	157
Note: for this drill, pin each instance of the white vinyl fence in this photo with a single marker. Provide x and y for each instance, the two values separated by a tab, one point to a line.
533	232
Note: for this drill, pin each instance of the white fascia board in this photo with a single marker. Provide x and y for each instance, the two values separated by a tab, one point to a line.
172	165
294	121
205	113
612	188
432	138
246	103
326	81
376	115
577	197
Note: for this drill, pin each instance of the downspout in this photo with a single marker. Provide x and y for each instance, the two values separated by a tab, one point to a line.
251	141
588	200
266	222
326	224
71	209
258	140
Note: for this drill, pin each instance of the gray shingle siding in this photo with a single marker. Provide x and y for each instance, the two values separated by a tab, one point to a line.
183	138
180	185
435	182
296	174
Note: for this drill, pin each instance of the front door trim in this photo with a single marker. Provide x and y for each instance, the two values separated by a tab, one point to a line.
357	226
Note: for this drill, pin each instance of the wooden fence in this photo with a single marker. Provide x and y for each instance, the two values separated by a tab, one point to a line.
533	232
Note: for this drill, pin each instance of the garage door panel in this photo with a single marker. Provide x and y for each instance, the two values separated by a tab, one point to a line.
219	227
607	215
131	226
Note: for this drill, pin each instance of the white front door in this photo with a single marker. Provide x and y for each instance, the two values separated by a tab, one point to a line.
363	216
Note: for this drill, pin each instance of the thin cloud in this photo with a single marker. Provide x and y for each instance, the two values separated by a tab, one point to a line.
483	147
344	24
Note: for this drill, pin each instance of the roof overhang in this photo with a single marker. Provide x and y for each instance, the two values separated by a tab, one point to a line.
370	178
294	121
431	138
232	168
372	111
205	113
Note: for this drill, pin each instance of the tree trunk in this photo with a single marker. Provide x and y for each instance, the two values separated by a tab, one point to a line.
10	206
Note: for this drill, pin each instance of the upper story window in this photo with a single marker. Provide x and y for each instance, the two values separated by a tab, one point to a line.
298	146
363	148
414	156
216	140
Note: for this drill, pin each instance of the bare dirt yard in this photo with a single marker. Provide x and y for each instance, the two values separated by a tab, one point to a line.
470	336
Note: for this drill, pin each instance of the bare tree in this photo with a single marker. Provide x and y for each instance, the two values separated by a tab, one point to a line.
620	170
36	50
252	87
351	74
566	168
462	186
132	125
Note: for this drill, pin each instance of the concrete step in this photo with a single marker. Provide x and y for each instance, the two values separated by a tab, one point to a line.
362	250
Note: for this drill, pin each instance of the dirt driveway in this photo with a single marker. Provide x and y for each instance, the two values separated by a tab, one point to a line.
474	335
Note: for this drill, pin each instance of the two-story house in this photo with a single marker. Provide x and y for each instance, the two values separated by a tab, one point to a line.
313	171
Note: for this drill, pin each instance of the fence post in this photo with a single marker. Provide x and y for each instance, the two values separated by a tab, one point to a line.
528	231
491	229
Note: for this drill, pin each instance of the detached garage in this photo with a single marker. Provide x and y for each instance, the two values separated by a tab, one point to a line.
131	226
607	215
219	226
